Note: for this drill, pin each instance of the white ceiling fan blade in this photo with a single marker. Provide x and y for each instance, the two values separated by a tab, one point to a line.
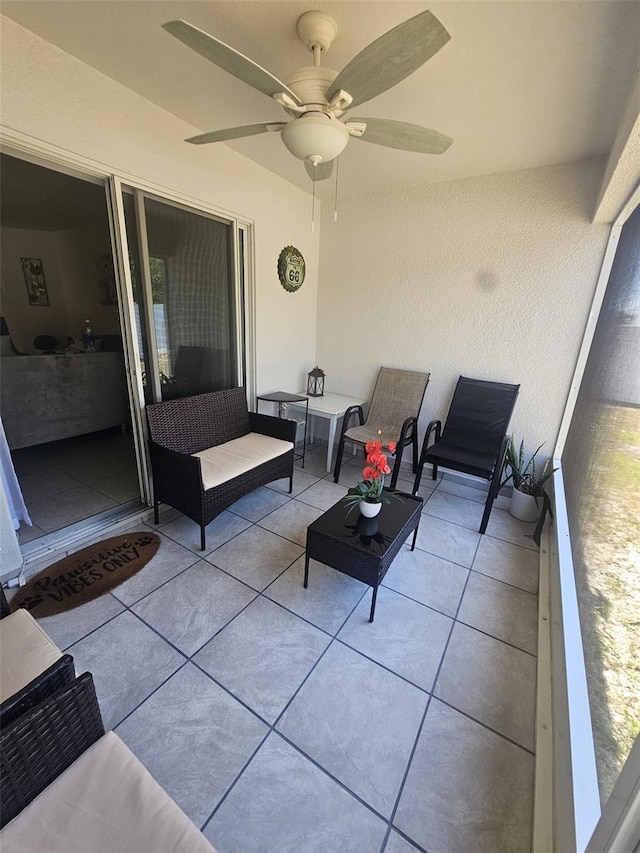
230	60
391	58
235	132
320	172
405	136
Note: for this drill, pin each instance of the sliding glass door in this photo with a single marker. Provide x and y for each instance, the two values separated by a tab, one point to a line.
186	301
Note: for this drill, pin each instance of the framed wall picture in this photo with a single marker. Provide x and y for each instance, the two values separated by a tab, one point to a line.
34	280
107	280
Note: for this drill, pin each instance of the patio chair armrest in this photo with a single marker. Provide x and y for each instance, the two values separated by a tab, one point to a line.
60	672
282	428
350	412
432	427
40	744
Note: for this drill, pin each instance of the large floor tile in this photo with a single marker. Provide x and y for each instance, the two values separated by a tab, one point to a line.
301	481
315	461
323	494
223	528
429	579
194	739
359	722
451	541
397	844
292	520
476	492
69	627
121	486
169	560
506	562
450	507
490	681
505	612
285	804
45	483
256	556
263	656
128	661
467	789
67	507
503	525
191	608
405	637
327	601
258	503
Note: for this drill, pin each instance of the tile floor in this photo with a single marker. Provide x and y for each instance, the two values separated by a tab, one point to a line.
280	720
66	481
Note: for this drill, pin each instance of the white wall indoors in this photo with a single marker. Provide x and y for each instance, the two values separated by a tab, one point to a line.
490	277
48	95
69	262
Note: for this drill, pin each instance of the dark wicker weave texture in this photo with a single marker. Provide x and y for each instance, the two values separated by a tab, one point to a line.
5	610
57	675
179	428
365	566
38	746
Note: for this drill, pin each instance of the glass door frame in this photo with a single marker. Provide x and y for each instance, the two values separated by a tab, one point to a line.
243	289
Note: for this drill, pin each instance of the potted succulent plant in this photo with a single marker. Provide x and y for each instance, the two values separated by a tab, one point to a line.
530	500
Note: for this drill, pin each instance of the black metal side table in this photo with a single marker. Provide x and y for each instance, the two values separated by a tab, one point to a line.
283	398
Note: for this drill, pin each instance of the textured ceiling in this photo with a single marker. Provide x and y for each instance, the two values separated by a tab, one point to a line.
520	84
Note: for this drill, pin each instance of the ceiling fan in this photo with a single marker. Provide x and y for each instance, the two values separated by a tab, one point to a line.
317	97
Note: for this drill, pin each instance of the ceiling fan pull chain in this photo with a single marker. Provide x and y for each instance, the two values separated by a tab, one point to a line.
335	197
313	204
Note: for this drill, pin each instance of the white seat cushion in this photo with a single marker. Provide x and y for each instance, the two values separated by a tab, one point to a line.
25	652
106	802
238	456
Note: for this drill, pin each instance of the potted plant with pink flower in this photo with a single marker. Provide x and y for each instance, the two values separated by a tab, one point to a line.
368	495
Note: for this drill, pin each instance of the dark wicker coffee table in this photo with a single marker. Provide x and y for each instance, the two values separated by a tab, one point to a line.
360	547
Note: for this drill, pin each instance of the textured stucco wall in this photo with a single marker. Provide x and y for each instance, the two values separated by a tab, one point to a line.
49	95
489	277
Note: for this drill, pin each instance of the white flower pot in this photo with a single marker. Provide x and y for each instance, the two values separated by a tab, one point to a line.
369	510
524	507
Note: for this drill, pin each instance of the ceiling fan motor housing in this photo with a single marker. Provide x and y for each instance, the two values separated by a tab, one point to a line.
311	84
315	137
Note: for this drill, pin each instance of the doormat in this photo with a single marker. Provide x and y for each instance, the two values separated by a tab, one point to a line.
87	574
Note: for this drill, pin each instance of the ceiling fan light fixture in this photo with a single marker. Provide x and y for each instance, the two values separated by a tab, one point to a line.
315	137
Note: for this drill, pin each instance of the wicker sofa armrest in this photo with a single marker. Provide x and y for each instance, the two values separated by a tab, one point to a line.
168	465
275	427
37	746
57	675
5	609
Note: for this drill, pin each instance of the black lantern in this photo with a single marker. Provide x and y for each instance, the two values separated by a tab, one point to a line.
315	382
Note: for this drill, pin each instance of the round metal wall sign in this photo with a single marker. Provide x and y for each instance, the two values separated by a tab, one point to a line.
291	268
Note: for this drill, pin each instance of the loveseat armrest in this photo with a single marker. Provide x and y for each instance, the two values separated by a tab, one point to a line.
169	465
60	672
40	744
5	609
275	427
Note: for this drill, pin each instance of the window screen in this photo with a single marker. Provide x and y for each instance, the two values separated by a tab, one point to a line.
601	466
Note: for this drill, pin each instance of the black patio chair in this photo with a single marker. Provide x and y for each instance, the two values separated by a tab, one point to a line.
395	406
474	439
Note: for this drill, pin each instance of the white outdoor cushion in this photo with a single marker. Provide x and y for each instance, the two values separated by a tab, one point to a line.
25	652
105	802
229	460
